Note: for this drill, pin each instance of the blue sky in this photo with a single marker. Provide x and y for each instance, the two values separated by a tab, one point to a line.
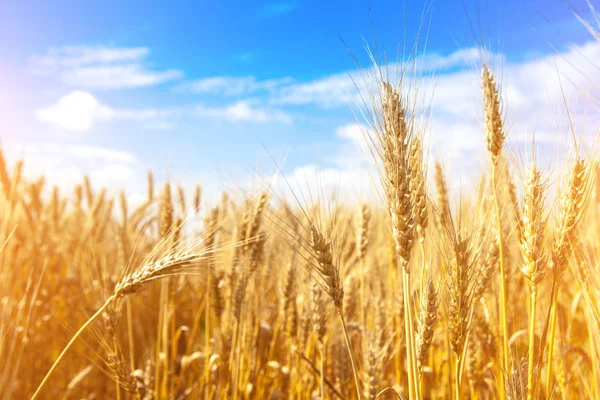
196	89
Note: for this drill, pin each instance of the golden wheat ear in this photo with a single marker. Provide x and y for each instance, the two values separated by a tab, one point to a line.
427	320
171	264
495	136
329	278
494	126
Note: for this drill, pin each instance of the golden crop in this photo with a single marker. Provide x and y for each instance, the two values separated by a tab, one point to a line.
422	296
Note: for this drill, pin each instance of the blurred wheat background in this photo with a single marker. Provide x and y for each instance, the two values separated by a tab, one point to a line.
428	289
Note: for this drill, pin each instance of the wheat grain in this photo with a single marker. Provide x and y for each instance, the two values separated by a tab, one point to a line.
494	127
326	269
427	320
533	227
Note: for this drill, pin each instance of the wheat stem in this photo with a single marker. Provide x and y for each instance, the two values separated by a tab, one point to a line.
130	336
531	364
503	307
591	335
322	371
363	303
549	372
71	342
457	380
165	335
207	328
413	379
407	335
354	371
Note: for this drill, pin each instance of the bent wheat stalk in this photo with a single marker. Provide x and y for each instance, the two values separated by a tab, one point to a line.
68	346
171	264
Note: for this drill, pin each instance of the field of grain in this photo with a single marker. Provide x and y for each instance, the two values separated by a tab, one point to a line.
423	295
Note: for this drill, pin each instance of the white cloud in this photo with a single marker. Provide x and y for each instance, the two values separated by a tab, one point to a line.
112	175
460	59
79	56
353	132
101	67
233	86
65	165
76	111
532	92
243	111
355	146
79	111
86	152
334	91
535	94
350	88
350	175
312	184
116	77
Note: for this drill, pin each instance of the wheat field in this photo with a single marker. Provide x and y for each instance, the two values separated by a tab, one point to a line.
422	295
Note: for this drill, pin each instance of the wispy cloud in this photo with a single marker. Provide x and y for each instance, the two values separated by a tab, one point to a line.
78	111
333	91
244	111
233	86
349	174
535	94
278	8
101	67
532	96
532	89
245	57
458	60
66	164
350	87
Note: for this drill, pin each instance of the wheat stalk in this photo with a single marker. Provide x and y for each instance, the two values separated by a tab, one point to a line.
330	275
574	199
460	300
495	136
533	251
166	266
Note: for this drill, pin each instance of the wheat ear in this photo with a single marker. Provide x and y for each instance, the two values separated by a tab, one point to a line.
532	248
427	320
572	207
169	265
494	137
330	275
